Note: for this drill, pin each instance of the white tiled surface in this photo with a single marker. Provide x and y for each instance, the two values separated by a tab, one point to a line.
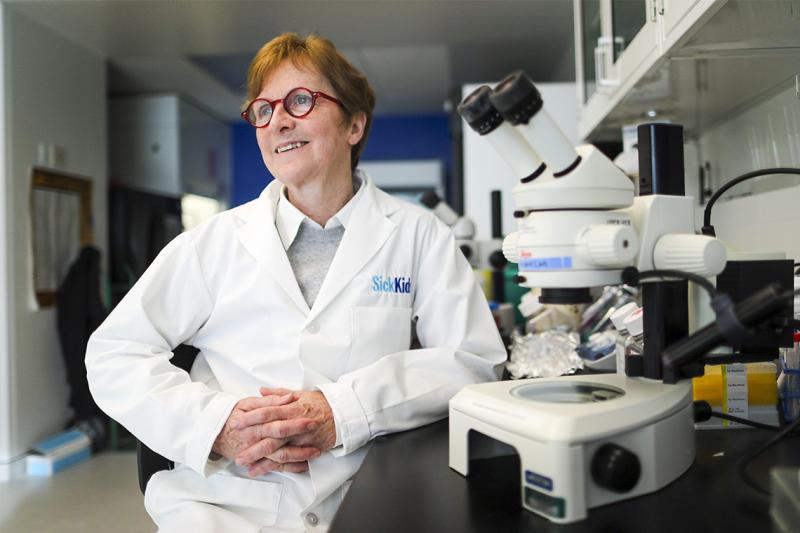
767	134
101	494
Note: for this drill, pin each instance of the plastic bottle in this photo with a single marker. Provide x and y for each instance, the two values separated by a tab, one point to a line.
618	319
634	344
789	380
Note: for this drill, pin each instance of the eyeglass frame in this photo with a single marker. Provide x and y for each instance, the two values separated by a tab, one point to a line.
272	105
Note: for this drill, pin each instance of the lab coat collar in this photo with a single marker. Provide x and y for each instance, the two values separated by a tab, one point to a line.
368	228
260	237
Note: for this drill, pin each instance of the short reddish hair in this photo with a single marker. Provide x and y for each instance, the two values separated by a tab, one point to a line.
351	87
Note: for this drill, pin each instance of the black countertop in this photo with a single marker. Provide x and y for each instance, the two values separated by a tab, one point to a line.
406	485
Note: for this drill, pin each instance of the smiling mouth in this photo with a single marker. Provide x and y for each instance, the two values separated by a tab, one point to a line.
289	147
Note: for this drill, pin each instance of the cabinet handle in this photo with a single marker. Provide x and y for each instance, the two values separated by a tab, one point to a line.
653	10
661	9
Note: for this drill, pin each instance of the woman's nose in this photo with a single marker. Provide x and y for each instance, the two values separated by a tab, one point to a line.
280	118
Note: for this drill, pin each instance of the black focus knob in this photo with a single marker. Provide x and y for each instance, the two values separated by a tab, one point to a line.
615	468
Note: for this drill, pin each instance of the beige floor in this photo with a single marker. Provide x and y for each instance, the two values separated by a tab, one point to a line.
98	495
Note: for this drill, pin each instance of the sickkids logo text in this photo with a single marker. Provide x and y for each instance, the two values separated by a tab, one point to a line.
391	284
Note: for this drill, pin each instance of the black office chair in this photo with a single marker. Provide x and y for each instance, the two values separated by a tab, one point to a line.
149	462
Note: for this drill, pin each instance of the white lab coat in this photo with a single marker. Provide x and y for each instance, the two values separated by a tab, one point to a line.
226	287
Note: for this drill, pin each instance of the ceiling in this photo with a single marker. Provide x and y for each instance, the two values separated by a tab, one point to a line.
416	53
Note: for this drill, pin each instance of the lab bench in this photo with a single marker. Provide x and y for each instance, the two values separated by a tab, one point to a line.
405	485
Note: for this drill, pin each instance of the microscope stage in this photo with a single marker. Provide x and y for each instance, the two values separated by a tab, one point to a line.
572	409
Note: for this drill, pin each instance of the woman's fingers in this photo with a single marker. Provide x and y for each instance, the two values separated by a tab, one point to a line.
266	465
294	467
258	451
294	454
271	436
262	415
248	404
280	391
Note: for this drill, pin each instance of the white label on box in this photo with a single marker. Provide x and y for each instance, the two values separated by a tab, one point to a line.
735	392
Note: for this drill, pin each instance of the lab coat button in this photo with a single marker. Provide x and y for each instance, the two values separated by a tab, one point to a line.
312	519
312	328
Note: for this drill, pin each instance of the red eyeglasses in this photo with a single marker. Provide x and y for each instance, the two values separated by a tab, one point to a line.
298	103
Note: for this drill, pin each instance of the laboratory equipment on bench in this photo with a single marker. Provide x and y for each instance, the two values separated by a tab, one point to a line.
586	441
583	441
463	227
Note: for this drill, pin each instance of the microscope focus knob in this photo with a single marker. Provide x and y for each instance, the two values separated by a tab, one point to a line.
511	248
698	254
615	468
611	245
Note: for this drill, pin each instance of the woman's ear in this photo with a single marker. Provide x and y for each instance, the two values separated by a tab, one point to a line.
357	125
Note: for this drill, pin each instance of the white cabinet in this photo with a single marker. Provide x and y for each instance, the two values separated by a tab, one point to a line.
694	62
614	37
614	41
617	43
164	145
676	17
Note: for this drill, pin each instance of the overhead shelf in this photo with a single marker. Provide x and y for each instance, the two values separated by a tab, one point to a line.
731	55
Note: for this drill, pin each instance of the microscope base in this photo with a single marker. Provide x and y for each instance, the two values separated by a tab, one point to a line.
577	452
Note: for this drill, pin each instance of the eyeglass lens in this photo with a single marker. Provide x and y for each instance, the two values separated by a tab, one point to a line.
297	103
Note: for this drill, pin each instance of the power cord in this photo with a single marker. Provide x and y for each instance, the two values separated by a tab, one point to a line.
745	461
722	304
631	276
744	421
708	229
703	412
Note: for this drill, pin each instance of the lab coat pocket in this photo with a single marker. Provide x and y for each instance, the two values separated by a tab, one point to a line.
172	492
378	331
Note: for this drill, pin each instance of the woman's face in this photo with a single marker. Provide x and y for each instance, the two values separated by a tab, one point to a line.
325	134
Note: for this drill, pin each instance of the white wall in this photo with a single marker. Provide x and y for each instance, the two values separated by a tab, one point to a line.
5	322
767	134
762	215
54	91
485	171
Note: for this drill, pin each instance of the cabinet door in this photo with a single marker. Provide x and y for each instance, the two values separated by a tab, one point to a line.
588	30
628	17
677	16
635	36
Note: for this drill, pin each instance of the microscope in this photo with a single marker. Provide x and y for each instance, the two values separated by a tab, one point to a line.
463	227
590	440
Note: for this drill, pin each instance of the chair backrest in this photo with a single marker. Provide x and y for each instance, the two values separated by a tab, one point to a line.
149	462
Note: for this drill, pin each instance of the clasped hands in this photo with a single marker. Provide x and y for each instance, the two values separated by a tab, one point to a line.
281	430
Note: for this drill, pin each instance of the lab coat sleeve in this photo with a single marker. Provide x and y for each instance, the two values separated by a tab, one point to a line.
460	346
128	361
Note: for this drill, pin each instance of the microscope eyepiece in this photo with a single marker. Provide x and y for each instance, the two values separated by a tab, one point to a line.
517	98
511	145
430	199
479	112
521	104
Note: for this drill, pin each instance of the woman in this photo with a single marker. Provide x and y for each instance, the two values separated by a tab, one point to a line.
301	303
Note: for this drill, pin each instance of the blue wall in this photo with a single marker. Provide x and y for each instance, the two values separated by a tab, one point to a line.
393	137
250	176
